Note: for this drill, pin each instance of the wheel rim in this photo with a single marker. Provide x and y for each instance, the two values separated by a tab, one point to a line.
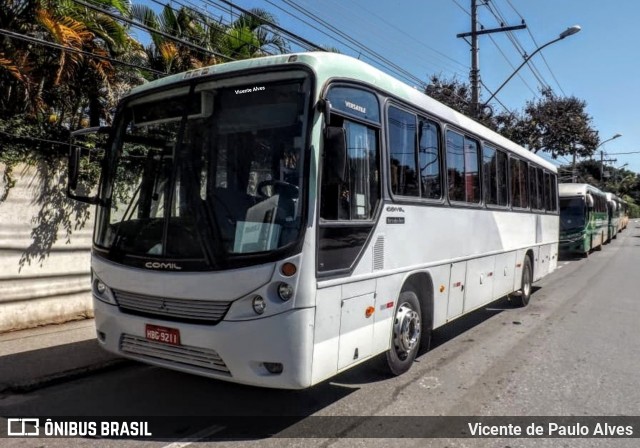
406	331
526	283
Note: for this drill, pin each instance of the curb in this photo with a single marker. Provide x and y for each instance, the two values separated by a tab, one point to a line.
33	384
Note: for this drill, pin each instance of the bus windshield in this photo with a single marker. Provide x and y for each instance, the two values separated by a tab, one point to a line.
572	213
206	174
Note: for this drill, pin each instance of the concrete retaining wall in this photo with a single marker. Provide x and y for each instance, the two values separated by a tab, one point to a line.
44	272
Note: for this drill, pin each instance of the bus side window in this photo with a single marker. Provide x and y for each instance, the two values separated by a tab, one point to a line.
455	166
533	188
490	175
547	191
356	196
402	153
463	168
429	160
541	189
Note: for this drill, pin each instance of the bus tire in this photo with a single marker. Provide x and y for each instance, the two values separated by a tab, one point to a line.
522	299
405	333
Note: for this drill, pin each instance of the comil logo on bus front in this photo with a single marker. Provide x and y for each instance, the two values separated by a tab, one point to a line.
160	265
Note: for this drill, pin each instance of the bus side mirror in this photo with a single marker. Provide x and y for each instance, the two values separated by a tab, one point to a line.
74	164
589	200
335	152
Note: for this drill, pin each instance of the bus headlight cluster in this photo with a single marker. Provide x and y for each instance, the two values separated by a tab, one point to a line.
285	291
259	305
102	292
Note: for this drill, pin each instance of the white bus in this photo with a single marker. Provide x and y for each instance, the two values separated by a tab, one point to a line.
276	221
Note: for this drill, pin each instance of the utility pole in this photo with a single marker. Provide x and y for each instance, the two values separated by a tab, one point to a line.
474	74
602	160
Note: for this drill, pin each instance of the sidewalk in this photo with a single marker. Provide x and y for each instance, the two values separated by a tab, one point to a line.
46	355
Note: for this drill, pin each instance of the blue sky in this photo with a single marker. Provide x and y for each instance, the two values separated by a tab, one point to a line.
600	64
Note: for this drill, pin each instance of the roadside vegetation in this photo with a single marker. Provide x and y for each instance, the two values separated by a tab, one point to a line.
64	65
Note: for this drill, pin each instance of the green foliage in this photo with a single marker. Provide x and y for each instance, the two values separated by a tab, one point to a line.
25	139
452	92
559	126
56	212
45	92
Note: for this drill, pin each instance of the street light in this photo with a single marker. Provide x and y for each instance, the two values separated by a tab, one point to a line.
568	32
602	154
609	139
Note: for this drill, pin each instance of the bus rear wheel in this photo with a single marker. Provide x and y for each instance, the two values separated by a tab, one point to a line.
524	295
406	333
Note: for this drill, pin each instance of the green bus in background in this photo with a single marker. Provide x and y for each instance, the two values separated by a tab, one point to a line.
614	209
584	218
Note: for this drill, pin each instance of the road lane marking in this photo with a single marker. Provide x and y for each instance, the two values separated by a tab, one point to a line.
197	437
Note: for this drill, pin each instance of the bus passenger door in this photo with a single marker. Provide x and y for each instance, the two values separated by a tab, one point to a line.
456	290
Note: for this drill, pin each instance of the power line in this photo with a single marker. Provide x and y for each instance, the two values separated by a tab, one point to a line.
438	54
31	39
376	56
495	11
150	29
621	153
536	44
201	21
512	66
273	25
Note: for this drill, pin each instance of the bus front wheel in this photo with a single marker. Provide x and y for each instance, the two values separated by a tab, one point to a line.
406	333
522	299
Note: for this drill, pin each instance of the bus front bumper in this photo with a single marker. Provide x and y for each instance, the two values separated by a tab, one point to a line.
237	351
572	245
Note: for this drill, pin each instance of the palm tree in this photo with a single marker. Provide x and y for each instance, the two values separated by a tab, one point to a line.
16	81
250	36
37	78
185	39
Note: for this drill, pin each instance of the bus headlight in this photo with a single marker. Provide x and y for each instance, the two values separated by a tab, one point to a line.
259	305
101	288
102	292
285	291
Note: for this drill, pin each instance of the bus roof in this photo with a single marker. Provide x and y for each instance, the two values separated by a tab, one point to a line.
565	190
328	66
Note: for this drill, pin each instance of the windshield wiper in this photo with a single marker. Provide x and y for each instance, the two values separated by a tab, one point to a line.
201	229
117	238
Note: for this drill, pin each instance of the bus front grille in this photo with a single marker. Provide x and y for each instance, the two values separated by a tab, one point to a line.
200	311
179	355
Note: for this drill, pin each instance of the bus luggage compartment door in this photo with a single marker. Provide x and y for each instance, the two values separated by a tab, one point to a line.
456	289
356	329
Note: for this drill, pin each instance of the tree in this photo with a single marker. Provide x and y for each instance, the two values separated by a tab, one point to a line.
166	53
249	36
557	125
457	95
452	92
37	78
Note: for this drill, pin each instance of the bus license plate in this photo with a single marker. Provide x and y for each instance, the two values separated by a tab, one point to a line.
162	334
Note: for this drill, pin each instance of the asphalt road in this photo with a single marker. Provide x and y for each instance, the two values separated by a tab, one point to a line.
574	351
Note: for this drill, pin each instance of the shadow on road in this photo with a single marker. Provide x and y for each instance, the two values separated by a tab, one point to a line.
179	406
